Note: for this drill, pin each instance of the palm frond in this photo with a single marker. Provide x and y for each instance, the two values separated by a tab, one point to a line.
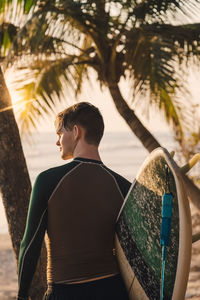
185	38
153	64
66	20
27	5
4	5
46	34
46	82
7	34
81	71
43	78
149	10
148	54
28	113
156	49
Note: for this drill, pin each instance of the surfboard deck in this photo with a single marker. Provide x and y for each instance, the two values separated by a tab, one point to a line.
138	232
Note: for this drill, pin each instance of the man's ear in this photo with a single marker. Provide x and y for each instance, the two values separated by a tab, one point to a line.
76	132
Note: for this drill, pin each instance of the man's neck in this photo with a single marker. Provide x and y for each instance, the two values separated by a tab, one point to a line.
90	152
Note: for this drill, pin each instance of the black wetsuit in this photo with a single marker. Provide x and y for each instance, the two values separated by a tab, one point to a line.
77	204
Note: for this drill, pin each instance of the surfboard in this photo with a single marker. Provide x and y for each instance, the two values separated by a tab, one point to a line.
138	228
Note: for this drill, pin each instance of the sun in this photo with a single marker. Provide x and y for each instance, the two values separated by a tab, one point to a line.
10	77
18	98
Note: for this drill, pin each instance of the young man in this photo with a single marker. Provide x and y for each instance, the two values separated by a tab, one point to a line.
77	204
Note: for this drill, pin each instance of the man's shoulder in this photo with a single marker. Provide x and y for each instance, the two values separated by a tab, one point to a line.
47	180
117	175
58	169
123	183
56	173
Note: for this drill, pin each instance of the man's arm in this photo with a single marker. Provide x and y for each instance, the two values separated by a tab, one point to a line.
36	225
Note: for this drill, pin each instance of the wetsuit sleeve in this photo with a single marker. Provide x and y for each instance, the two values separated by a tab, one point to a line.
36	225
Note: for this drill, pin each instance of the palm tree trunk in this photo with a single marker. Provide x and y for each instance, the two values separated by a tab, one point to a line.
142	133
147	139
15	185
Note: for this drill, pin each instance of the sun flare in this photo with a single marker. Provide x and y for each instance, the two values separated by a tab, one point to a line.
19	98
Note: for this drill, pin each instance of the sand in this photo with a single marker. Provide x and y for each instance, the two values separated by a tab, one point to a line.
8	271
8	277
193	288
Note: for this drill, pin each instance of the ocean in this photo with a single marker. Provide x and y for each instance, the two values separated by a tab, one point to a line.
120	151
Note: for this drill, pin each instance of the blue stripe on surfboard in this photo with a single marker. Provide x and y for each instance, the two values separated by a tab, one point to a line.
140	268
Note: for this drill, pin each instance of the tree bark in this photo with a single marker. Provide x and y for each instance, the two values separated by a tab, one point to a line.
142	133
147	139
15	185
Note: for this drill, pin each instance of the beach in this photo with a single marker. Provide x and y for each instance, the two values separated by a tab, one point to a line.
193	288
8	277
119	151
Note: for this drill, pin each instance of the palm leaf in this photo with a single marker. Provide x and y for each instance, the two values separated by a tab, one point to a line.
7	34
40	35
148	10
156	49
28	4
152	61
49	81
186	38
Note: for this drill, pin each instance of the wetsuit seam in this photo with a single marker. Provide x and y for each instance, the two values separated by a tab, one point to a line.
20	275
114	180
90	162
70	281
126	198
61	180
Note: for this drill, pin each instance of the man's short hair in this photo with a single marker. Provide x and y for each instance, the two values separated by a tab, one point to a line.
87	116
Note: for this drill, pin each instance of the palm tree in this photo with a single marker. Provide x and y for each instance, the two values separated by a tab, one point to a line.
15	185
143	41
60	41
118	39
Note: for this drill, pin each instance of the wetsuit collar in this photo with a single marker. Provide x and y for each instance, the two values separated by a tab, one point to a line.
88	160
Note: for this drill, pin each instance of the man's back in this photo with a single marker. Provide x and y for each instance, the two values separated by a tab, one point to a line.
82	213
